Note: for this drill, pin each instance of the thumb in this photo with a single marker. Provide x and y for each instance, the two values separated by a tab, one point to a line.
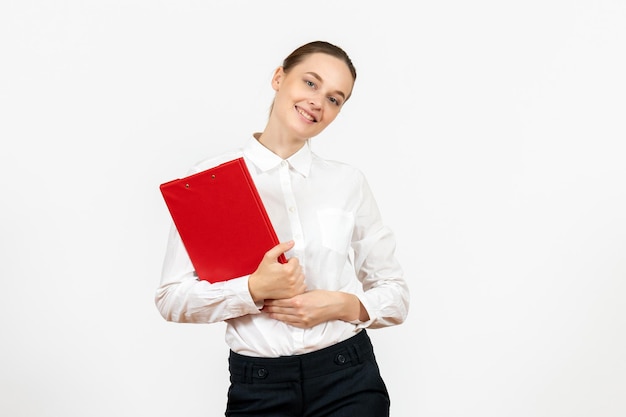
279	249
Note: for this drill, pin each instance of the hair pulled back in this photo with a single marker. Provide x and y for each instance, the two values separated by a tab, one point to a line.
300	53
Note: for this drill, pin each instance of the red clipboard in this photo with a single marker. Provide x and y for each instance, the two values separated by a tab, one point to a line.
221	221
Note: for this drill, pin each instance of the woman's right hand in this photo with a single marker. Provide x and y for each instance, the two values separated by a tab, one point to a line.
275	280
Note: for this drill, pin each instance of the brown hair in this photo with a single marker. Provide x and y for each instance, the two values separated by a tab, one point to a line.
300	53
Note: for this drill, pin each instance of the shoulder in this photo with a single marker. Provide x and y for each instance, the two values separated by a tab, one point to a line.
338	169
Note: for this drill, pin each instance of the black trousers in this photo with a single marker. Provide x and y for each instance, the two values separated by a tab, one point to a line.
342	380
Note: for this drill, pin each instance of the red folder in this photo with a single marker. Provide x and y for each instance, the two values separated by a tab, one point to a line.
221	220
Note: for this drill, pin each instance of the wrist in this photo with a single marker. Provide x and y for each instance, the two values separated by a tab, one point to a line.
256	297
351	309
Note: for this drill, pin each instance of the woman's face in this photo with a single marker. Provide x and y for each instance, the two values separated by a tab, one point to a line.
311	94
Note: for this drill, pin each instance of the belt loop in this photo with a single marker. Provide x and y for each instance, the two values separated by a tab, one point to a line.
247	372
356	349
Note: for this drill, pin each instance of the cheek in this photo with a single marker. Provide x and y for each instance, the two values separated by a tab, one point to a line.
282	103
330	113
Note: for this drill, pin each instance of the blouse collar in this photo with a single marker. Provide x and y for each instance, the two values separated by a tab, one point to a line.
267	160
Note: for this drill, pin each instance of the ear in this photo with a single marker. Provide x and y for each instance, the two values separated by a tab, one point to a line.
277	78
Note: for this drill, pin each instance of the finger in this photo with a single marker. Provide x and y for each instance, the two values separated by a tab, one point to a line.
276	303
286	318
279	249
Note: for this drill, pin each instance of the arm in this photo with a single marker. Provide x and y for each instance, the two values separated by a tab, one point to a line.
384	301
384	298
315	307
181	297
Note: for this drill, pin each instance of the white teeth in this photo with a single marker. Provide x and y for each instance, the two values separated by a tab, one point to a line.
306	115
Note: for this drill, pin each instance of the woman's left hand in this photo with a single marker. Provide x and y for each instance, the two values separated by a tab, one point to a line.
314	307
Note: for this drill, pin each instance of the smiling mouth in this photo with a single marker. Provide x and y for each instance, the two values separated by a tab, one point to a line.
306	115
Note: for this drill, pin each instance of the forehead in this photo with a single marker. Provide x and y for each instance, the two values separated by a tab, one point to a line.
330	69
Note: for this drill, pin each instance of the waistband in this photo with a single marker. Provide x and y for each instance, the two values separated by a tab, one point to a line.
350	352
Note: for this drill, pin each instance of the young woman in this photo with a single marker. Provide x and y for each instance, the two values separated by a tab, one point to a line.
297	330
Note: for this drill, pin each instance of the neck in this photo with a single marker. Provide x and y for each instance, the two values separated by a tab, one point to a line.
281	146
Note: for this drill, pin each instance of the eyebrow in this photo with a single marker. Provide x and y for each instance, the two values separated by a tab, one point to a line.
316	76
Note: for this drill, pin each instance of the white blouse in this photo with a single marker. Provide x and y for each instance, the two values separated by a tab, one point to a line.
328	209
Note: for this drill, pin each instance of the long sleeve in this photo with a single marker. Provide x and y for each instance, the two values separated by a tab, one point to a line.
386	294
181	297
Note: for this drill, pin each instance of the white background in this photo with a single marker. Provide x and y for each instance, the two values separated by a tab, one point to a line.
492	134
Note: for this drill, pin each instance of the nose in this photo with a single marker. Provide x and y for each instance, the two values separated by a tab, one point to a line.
315	101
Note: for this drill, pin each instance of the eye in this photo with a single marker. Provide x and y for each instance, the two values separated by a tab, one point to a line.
310	83
334	101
